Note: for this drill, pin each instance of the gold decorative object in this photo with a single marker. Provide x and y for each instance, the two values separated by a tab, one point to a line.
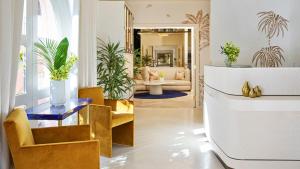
272	25
257	91
246	89
252	94
203	22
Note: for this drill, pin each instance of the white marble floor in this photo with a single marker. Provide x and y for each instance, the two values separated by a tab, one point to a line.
166	138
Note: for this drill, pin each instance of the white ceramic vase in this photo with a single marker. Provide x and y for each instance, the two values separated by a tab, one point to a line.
161	79
57	92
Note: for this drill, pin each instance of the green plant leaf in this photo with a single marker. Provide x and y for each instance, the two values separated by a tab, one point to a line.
112	71
61	54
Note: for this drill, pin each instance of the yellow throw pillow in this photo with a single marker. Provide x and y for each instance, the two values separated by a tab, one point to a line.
153	75
179	75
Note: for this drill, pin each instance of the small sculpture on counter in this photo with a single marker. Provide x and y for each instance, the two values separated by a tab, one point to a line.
257	91
246	89
251	92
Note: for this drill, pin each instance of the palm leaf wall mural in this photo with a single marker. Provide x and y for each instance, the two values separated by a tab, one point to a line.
272	25
203	21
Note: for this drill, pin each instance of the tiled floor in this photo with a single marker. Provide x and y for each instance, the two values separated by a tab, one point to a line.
166	138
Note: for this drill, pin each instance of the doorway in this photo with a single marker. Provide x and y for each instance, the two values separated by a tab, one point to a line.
169	49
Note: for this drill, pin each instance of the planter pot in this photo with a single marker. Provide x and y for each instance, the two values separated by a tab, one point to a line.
161	79
57	92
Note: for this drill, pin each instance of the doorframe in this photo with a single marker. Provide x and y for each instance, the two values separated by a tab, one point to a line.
195	51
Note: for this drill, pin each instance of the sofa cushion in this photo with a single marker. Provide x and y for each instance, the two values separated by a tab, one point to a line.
179	75
177	83
170	72
154	75
138	76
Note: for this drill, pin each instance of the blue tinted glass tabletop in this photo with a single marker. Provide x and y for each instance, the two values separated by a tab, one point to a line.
48	112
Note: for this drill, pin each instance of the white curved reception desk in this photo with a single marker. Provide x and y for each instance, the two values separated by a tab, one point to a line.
260	133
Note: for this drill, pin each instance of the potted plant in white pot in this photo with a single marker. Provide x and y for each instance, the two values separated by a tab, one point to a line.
56	59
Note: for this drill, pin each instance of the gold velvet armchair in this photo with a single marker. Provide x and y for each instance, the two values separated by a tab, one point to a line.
112	121
66	147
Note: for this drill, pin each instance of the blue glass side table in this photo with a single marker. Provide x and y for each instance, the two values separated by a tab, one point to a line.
59	113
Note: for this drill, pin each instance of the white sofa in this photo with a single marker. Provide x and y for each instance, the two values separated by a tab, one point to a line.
170	74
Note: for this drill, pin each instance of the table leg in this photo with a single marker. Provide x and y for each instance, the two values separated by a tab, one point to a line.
156	90
59	123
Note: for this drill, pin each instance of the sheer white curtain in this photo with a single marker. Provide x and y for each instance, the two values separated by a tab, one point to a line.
66	19
11	13
87	44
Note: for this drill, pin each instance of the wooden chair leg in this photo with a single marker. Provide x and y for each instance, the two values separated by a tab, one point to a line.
100	121
124	134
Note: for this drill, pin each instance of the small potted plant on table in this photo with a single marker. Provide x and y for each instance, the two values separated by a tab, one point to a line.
232	53
55	58
162	76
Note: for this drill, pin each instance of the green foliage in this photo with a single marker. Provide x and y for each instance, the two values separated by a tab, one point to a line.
21	56
55	57
162	74
137	62
147	60
112	71
231	51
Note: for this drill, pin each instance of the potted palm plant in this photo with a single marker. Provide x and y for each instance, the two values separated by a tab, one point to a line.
112	72
55	58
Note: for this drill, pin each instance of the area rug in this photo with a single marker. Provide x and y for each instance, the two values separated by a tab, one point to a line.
165	95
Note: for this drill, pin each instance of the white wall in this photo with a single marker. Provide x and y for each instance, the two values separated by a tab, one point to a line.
295	31
110	21
236	21
165	11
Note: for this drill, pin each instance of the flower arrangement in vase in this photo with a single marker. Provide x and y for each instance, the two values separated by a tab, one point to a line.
162	76
232	53
56	59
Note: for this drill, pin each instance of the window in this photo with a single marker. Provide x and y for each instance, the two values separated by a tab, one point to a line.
21	84
53	19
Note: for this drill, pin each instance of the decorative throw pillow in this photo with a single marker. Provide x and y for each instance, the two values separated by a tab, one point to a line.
153	75
179	75
138	76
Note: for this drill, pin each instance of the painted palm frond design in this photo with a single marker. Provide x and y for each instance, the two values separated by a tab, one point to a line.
272	24
203	21
271	56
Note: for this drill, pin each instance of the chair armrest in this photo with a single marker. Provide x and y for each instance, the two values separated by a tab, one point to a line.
69	155
100	119
124	106
61	134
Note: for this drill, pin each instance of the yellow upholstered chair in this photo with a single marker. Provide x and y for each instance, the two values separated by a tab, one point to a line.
112	121
66	147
